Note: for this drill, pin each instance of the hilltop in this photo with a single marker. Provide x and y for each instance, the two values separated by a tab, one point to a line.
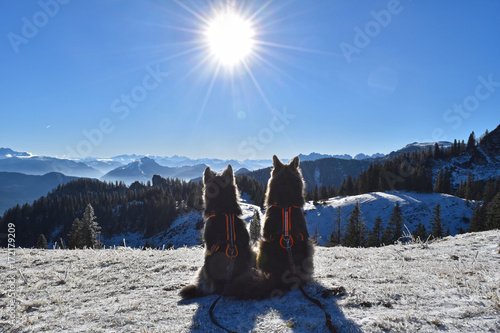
449	284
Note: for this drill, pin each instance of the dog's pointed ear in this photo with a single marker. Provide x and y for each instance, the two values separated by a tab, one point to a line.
228	173
295	162
208	175
277	164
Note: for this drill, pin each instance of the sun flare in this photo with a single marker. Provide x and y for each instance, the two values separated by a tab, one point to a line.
230	38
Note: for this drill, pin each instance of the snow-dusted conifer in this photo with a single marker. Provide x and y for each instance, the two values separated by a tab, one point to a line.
396	223
42	242
255	226
336	236
493	221
316	237
84	232
356	230
375	236
420	232
437	222
92	229
75	240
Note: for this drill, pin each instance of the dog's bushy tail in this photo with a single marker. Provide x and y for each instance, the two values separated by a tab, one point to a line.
191	291
254	284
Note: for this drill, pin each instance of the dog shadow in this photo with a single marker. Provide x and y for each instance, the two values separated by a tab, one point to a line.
292	312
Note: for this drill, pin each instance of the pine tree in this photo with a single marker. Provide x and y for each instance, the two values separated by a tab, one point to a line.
420	232
493	221
437	151
375	236
255	226
479	217
355	229
332	240
84	232
42	242
438	186
471	143
437	222
92	229
75	240
337	229
315	195
387	236
316	237
323	193
489	191
396	223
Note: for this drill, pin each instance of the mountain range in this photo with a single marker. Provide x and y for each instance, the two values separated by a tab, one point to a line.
318	169
143	170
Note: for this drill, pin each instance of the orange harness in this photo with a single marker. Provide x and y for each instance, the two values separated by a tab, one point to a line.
231	248
286	213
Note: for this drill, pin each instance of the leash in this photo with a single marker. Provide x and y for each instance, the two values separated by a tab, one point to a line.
288	246
231	253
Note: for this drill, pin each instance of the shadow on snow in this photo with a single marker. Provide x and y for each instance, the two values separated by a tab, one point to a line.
296	313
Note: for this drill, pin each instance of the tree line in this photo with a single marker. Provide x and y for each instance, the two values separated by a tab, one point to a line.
356	234
146	208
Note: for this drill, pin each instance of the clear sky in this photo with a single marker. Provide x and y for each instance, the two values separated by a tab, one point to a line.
103	78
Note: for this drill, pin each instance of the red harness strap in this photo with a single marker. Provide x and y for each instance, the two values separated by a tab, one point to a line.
286	213
231	248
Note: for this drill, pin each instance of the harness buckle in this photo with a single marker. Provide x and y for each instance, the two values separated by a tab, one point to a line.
231	251
288	241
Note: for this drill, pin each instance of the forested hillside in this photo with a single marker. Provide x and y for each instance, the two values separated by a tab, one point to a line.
147	208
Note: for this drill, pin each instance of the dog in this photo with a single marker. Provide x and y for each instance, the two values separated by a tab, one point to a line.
285	251
227	242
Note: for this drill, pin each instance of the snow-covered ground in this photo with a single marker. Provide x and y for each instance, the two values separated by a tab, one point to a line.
450	284
415	207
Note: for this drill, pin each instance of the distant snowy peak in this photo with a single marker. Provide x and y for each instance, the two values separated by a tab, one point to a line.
8	153
316	156
421	145
416	146
362	156
143	169
40	165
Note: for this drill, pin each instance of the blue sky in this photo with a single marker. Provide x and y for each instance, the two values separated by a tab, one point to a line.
104	78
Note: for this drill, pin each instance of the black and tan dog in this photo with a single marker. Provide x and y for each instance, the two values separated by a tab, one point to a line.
285	236
226	240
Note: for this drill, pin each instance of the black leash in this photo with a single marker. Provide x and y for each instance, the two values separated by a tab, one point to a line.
212	317
328	317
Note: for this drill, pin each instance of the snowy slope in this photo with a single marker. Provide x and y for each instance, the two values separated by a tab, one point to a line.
416	208
461	166
451	284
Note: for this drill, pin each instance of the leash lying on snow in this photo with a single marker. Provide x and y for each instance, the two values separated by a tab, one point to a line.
328	317
287	239
226	286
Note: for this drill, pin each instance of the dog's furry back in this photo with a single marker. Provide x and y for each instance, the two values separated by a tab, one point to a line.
221	203
285	189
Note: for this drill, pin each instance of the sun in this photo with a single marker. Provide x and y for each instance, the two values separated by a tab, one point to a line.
230	38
